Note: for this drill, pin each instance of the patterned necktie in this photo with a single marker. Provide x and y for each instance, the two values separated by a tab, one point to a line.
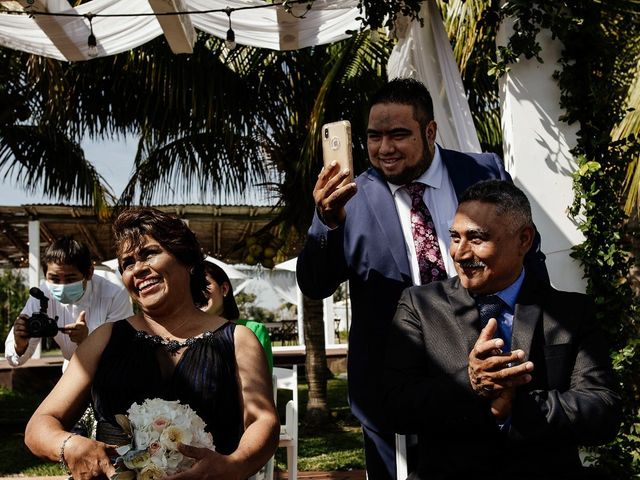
425	239
491	306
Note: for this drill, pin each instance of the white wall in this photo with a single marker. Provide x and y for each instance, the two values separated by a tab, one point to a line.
536	151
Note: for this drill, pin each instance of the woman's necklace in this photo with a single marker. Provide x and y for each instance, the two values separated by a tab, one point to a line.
170	344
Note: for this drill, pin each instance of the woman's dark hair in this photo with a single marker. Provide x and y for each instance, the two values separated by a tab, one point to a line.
229	306
68	251
172	234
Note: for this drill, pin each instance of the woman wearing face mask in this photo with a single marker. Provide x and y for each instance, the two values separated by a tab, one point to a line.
80	301
221	302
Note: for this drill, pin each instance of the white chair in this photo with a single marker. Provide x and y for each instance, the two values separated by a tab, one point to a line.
402	472
287	379
403	442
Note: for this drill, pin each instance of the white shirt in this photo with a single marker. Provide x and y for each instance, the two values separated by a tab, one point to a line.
103	301
442	202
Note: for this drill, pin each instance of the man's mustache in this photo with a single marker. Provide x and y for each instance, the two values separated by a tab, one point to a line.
471	264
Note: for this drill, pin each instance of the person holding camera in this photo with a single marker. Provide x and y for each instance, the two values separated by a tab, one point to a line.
78	302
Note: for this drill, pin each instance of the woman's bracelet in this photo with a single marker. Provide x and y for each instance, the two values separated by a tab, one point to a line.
63	462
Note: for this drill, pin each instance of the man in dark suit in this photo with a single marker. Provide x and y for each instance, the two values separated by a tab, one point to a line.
362	232
513	398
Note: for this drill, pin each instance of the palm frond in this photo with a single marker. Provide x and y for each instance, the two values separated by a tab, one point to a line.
44	160
204	163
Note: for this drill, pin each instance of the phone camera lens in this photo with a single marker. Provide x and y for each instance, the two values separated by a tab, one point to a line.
326	133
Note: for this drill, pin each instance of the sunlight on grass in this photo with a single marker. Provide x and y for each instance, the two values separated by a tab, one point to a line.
335	446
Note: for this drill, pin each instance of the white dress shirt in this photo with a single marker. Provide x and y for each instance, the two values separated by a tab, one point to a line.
442	202
103	301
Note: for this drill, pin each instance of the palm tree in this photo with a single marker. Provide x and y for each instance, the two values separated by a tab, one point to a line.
217	121
283	98
38	154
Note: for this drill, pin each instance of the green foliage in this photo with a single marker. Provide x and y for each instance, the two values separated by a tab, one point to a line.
472	26
384	12
13	296
335	446
250	311
15	458
601	46
15	410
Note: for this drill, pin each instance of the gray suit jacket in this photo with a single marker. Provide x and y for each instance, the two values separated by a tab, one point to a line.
571	400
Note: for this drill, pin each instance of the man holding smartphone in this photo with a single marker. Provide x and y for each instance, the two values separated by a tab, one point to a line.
81	300
384	232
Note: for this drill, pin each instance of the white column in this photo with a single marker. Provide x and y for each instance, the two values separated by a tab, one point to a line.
328	316
536	154
34	253
34	265
300	316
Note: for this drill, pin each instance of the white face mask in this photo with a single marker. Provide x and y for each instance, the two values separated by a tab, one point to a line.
67	292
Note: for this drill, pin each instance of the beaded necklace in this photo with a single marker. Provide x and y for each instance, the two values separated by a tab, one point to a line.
171	346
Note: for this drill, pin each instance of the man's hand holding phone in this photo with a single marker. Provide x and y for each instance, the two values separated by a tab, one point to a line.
335	185
331	194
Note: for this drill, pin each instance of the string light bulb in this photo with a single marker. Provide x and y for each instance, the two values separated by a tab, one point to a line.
230	42
91	40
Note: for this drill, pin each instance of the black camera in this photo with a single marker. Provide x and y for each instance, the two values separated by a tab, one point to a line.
40	324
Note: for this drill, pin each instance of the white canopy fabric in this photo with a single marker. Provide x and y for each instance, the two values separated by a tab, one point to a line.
232	272
426	55
271	28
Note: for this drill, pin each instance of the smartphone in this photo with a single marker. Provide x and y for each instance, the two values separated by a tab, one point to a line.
336	145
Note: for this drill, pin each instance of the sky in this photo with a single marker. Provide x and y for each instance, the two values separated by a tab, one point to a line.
113	160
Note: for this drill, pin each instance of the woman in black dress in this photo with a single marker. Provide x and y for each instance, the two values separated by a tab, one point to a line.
170	350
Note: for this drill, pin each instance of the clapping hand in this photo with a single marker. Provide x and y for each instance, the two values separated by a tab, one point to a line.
490	370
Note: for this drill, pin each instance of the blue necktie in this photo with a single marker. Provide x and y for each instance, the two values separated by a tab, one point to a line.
491	306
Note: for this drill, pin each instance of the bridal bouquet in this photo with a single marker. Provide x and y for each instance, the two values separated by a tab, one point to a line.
156	427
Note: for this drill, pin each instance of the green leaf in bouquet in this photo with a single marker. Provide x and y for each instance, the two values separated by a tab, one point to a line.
124	423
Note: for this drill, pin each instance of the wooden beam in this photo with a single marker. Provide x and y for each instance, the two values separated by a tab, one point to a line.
54	27
44	230
178	29
4	256
288	29
15	239
89	240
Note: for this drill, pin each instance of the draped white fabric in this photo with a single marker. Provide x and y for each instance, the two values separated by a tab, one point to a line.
426	55
271	28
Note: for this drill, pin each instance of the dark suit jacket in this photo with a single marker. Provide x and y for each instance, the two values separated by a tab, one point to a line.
570	401
369	251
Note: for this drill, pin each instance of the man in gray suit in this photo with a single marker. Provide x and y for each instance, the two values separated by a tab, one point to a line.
499	373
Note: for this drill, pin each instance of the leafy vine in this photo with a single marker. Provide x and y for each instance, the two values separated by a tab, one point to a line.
601	45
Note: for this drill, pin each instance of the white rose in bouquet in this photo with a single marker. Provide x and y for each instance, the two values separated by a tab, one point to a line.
157	427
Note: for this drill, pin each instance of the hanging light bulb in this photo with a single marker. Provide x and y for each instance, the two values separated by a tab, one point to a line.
230	42
91	40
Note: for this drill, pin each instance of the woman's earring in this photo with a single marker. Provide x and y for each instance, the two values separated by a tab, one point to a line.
191	270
